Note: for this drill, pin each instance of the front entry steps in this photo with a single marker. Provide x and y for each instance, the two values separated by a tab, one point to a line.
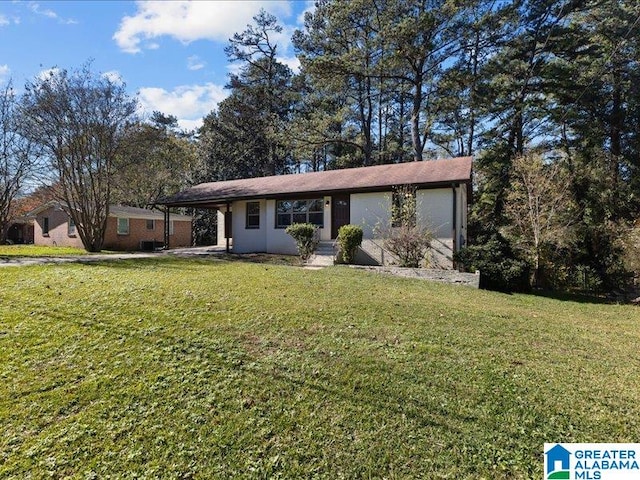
324	255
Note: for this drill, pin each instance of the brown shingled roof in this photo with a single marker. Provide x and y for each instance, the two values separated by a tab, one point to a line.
375	178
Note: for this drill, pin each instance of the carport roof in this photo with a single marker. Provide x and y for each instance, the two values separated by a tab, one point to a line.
432	173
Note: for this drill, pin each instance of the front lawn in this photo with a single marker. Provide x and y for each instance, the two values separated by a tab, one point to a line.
178	368
32	251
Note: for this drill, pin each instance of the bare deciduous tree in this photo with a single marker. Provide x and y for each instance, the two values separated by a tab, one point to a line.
79	118
17	157
539	207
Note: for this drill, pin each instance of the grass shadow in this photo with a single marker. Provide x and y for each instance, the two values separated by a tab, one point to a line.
179	261
574	297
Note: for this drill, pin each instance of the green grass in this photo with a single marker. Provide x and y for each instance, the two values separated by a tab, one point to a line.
32	251
170	368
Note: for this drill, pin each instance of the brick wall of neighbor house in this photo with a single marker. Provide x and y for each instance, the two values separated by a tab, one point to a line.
182	234
58	230
138	233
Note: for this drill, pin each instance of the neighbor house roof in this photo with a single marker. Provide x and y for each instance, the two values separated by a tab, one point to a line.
430	173
117	211
143	213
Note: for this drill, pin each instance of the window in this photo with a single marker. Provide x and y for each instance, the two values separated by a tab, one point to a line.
123	226
71	227
151	224
253	215
299	211
45	226
171	227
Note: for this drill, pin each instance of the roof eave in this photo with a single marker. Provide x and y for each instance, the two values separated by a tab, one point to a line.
216	202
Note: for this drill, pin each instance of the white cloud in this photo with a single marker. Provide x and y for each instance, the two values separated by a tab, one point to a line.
311	7
35	8
48	73
234	68
292	62
189	103
195	63
190	21
4	20
45	12
114	77
189	125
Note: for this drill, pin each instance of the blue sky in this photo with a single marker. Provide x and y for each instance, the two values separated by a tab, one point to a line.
169	53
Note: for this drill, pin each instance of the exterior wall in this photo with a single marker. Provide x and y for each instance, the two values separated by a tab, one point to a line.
369	209
220	228
138	232
58	230
248	240
277	239
435	209
434	206
267	238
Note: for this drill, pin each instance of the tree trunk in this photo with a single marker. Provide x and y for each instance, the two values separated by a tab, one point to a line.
415	121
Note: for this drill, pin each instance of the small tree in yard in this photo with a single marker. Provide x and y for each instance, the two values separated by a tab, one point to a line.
305	236
540	209
349	239
402	235
78	120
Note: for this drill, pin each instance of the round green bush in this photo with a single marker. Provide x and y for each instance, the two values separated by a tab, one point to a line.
305	236
349	239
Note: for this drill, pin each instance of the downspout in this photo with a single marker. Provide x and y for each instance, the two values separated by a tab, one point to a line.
227	227
454	222
166	227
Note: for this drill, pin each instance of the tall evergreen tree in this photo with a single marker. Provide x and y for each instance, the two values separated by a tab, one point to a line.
261	97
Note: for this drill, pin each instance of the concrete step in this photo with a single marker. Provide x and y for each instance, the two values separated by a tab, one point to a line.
323	256
325	246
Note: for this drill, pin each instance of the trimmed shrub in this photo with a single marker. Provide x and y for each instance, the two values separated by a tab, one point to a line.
305	236
349	239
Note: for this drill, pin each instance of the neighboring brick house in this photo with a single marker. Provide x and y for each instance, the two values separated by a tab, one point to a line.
128	228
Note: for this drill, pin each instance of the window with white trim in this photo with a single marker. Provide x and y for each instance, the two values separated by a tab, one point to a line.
151	224
299	211
123	226
45	226
253	215
71	227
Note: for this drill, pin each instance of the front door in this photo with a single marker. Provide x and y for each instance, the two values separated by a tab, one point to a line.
339	213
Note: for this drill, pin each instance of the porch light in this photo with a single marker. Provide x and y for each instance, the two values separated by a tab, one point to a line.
327	203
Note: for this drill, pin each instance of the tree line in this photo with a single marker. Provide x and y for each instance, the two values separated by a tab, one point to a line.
544	94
